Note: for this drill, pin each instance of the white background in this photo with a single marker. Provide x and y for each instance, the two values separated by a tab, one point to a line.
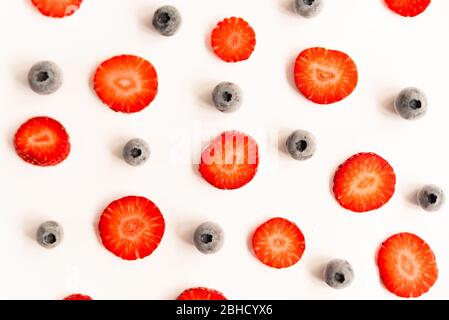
391	52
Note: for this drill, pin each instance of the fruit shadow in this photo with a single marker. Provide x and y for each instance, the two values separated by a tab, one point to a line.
287	7
281	141
30	226
289	72
205	95
316	269
388	104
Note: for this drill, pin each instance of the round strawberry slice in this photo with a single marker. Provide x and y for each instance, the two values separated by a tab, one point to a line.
201	294
407	265
279	243
42	141
408	8
325	76
365	182
233	40
231	161
57	8
131	227
126	83
78	296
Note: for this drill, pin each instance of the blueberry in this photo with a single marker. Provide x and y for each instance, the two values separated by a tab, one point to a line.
431	198
338	274
227	97
136	152
45	77
301	145
208	238
309	8
411	104
49	234
167	20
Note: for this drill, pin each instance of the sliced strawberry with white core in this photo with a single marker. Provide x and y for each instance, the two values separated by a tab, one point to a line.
407	265
233	40
131	227
325	76
57	8
42	141
126	83
408	8
363	183
231	161
201	294
279	243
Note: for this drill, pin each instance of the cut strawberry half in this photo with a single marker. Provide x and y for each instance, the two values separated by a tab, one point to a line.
131	227
126	83
231	161
42	141
57	8
78	296
407	265
408	8
365	182
279	243
325	76
201	294
233	40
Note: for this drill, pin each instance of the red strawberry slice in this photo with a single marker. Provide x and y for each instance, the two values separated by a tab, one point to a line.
42	141
78	296
57	8
131	227
126	83
408	8
201	294
365	182
407	265
279	243
233	40
231	161
325	76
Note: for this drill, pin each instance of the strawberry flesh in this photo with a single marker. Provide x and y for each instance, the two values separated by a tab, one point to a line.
231	161
201	294
279	243
363	183
408	8
57	8
325	76
78	296
42	141
407	265
131	227
233	40
126	83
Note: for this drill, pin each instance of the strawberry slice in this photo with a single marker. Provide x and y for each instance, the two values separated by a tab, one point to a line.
233	40
365	182
77	296
408	8
407	265
325	76
42	141
231	161
126	83
131	227
201	294
57	8
279	243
